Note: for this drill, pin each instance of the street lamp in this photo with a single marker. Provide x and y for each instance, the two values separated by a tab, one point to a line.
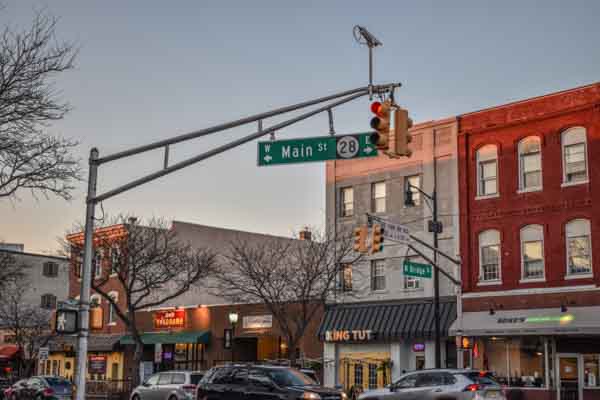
233	320
435	227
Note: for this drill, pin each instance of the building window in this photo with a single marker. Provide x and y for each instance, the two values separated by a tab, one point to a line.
358	375
489	256
532	252
346	278
530	164
410	282
115	256
574	145
347	202
579	253
372	376
97	264
378	197
111	309
591	370
487	171
49	301
412	183
378	275
77	259
50	269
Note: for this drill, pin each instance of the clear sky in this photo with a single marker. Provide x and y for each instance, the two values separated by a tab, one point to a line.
149	70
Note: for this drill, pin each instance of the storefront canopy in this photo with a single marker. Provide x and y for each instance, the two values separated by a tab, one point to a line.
168	337
96	342
8	352
543	321
388	321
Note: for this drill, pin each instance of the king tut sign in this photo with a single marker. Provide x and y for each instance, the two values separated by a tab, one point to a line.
360	335
169	319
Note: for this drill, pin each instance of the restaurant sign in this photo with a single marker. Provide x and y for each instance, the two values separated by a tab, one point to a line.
97	364
359	335
545	319
257	322
169	319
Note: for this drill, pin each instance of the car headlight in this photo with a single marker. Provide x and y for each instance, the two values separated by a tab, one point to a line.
310	396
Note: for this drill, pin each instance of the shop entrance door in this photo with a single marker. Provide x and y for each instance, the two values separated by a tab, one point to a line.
569	377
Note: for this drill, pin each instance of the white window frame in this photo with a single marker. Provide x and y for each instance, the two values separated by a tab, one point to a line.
416	195
588	233
374	269
374	197
566	142
525	231
111	312
343	211
411	283
489	241
522	155
483	157
97	263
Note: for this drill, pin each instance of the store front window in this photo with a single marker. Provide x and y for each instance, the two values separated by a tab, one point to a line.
515	361
591	370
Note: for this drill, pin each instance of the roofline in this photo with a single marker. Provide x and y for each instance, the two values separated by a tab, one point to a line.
230	230
34	254
530	99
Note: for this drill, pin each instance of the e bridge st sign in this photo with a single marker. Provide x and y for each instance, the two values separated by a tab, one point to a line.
343	147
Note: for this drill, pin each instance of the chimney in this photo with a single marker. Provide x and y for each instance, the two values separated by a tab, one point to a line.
306	234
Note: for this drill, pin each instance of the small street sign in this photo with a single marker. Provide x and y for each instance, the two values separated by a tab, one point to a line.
43	353
320	148
391	231
417	270
66	321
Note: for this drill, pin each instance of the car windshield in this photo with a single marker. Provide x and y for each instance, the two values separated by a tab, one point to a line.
289	377
195	378
54	381
482	379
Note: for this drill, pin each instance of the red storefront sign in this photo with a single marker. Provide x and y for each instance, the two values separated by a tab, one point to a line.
169	319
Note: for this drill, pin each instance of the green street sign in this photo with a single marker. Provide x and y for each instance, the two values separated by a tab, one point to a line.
416	270
321	148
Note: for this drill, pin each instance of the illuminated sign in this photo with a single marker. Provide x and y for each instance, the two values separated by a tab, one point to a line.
561	319
345	336
97	364
257	322
169	319
418	347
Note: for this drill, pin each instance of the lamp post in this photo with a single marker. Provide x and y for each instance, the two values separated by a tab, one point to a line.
435	227
233	319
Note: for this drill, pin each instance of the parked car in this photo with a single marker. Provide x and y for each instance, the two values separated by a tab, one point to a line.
262	382
312	374
12	391
168	385
41	388
440	384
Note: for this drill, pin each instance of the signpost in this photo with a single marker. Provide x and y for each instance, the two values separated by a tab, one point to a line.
417	270
43	353
322	148
394	232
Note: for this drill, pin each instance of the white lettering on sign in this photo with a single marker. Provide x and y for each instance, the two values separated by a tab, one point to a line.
296	151
346	336
257	321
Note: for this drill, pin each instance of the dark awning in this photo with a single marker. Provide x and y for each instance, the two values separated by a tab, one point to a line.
390	320
170	337
96	342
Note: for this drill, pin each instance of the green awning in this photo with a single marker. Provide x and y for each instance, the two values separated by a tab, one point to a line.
170	337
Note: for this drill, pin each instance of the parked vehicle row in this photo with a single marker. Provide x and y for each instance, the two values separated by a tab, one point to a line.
40	388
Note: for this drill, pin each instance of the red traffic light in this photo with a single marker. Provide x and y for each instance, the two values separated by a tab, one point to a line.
376	107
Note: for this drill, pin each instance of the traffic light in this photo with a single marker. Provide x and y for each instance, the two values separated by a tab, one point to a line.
377	239
360	239
381	123
402	123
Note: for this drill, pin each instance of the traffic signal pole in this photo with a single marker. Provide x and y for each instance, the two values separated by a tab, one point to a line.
436	278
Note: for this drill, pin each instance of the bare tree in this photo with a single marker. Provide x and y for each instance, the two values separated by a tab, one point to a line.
10	272
293	279
150	265
29	157
27	324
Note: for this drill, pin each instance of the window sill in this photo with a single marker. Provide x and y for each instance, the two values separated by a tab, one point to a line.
567	184
412	290
532	280
489	283
380	291
578	276
488	196
533	189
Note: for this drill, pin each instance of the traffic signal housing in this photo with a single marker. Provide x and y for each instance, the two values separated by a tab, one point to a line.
402	123
377	239
381	123
360	239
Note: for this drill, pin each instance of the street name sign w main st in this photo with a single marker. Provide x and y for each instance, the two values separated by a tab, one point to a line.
322	148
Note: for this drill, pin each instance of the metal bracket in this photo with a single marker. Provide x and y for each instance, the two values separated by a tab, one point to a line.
331	128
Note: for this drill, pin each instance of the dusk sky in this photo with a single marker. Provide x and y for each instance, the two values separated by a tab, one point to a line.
150	70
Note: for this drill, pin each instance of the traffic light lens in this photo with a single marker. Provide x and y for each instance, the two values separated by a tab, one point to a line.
374	138
375	107
375	121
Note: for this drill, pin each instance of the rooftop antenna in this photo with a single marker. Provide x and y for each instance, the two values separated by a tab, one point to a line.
364	37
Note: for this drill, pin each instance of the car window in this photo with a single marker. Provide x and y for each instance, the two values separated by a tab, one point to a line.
449	379
152	380
208	377
430	379
239	376
481	378
57	381
178	379
222	376
407	382
257	376
34	382
164	379
195	378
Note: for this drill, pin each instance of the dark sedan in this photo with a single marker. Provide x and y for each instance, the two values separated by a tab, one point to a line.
42	388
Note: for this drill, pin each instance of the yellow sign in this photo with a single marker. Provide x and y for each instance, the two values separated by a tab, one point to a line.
347	336
169	319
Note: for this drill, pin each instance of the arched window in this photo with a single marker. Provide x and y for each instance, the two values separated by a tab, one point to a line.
579	247
487	171
489	256
112	316
574	149
97	263
530	163
532	252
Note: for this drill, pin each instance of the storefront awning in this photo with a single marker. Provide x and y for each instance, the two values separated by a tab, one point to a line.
170	337
8	352
387	321
96	342
543	321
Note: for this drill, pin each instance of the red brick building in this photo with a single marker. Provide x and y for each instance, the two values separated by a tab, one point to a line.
529	186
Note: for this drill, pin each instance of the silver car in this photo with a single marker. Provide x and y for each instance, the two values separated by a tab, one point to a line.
440	384
168	385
